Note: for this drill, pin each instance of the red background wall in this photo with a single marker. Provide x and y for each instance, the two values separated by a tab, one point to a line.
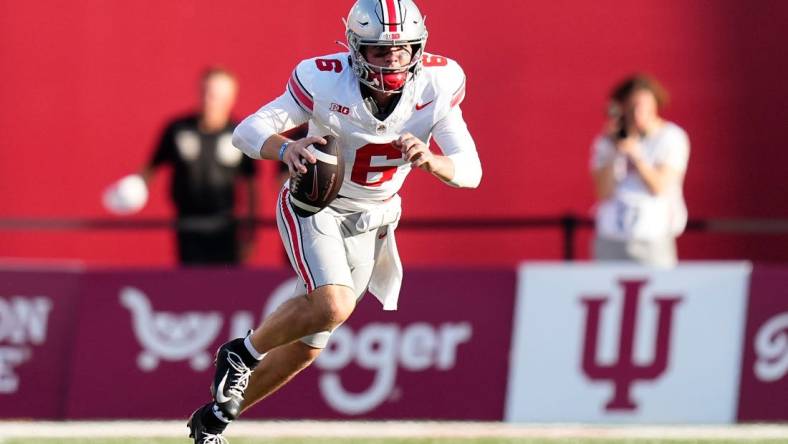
87	85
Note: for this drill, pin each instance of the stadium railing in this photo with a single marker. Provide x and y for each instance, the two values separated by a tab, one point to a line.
568	223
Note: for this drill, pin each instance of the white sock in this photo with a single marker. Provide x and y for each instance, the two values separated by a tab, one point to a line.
253	351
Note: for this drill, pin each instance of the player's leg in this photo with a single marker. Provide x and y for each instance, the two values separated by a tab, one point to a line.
359	251
279	366
277	369
317	252
236	386
316	248
324	309
284	362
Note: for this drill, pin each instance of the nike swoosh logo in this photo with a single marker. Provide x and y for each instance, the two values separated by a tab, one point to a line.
220	398
313	194
420	107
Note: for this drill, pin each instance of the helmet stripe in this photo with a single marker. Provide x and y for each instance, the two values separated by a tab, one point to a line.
385	11
392	15
400	16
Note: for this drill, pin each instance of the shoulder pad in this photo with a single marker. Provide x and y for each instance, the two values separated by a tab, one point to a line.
446	77
314	75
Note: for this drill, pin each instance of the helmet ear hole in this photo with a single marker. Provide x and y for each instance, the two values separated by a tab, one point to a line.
416	51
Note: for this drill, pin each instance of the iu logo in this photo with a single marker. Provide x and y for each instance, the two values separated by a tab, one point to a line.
624	371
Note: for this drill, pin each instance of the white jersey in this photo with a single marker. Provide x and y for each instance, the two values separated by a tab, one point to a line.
325	92
633	212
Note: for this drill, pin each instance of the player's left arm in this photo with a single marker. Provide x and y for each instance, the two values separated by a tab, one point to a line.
419	155
459	164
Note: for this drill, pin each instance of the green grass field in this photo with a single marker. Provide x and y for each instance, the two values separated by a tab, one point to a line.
389	432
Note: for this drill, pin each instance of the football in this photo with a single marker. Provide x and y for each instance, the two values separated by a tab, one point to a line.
312	191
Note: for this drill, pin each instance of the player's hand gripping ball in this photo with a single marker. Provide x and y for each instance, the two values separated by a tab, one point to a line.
312	191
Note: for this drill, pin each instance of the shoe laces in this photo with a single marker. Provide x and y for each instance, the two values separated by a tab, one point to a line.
242	373
210	438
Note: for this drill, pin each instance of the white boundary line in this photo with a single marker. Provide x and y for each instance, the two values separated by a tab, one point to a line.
389	429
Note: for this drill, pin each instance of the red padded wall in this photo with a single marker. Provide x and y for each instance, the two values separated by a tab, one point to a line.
86	87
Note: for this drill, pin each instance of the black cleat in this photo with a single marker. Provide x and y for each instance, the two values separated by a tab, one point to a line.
231	378
199	432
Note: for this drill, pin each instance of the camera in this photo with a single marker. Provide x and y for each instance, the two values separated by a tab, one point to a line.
621	132
615	111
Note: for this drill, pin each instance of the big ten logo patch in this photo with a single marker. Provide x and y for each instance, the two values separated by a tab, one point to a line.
23	325
337	108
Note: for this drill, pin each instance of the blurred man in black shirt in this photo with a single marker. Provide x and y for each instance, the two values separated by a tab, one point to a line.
206	172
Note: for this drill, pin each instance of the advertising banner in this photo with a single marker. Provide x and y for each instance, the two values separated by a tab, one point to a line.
623	343
148	339
613	343
764	374
37	310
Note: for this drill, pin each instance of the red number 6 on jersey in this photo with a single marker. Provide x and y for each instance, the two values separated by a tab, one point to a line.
433	60
363	164
329	65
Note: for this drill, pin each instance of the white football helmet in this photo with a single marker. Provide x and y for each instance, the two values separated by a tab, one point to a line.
385	23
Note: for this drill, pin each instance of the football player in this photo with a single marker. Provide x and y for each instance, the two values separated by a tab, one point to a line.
383	100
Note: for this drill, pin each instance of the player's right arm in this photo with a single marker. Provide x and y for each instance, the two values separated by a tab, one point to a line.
258	136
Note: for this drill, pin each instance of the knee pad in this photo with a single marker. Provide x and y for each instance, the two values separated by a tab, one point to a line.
317	340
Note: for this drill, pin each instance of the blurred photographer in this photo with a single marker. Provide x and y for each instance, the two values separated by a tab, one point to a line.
207	174
638	165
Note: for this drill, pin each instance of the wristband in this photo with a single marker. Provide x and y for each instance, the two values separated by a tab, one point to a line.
282	149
